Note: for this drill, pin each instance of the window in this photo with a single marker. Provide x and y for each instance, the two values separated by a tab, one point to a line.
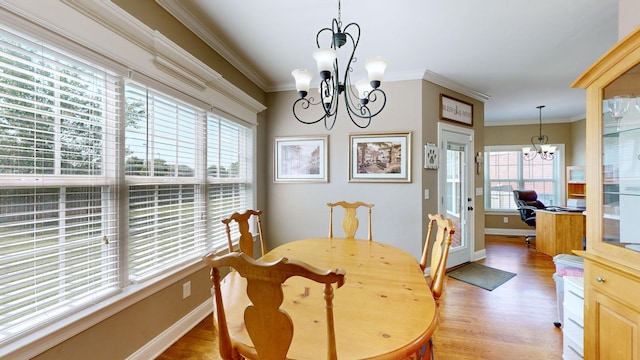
505	171
84	155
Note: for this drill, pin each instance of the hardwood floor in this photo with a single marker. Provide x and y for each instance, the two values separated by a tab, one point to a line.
514	321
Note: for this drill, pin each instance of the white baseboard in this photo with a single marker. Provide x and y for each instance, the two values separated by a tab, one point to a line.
479	255
509	232
162	342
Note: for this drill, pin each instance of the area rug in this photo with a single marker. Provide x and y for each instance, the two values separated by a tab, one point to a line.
481	276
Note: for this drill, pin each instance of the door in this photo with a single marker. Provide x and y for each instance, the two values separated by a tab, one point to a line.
455	188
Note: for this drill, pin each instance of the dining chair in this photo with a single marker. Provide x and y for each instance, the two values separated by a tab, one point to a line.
439	255
439	252
246	237
269	326
350	220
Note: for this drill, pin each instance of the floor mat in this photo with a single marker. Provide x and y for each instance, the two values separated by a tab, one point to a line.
481	276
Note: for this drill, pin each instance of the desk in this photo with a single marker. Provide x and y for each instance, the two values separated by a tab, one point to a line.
559	232
384	310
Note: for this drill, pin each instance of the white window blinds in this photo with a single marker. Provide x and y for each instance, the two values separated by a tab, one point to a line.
58	239
103	183
228	174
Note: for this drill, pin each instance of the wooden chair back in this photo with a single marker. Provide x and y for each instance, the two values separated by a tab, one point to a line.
269	327
350	220
246	237
439	252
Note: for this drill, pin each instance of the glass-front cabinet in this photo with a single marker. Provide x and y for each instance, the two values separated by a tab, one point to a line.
621	161
612	256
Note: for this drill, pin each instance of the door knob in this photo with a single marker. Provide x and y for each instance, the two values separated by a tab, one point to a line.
470	208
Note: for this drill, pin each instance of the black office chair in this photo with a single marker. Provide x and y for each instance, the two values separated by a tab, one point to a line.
527	203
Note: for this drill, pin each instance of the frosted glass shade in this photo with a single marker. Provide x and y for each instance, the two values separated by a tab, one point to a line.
303	80
325	59
375	68
364	88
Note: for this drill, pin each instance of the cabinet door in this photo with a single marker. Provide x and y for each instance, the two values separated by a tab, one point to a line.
612	313
612	333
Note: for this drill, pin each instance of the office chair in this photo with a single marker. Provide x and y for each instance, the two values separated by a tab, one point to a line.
527	203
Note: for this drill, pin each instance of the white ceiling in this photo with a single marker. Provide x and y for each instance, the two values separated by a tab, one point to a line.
514	55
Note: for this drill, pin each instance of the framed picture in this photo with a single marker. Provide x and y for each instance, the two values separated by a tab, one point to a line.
382	157
301	159
456	110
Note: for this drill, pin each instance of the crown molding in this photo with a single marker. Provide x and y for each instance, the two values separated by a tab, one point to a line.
452	85
105	32
166	56
191	22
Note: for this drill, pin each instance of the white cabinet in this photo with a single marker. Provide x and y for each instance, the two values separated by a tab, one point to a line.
573	322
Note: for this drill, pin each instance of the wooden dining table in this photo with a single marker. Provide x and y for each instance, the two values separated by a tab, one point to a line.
384	310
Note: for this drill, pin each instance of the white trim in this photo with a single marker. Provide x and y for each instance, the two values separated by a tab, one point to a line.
457	87
467	218
162	342
106	29
191	22
50	336
479	255
508	232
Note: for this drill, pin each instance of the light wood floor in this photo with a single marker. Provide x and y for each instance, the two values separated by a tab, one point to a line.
514	321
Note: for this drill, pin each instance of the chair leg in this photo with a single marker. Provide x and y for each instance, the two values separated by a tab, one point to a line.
528	238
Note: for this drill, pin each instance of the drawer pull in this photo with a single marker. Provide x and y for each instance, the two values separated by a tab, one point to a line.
599	279
575	351
579	296
576	323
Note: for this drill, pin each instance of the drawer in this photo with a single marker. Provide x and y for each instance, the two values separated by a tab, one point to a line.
615	284
571	350
573	328
573	301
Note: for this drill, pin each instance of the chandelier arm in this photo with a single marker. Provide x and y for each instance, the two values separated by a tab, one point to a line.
355	107
529	156
536	148
320	32
365	113
305	103
373	97
332	119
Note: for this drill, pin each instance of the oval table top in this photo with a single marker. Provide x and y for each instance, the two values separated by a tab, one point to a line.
384	310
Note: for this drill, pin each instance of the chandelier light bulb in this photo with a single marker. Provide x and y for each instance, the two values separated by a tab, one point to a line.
303	81
325	58
375	68
364	88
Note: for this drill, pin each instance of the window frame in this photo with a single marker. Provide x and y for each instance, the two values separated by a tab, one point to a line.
133	292
557	180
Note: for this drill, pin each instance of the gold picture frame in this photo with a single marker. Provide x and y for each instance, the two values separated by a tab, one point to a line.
301	159
380	157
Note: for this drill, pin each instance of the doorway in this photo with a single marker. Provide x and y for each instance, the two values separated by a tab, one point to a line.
455	188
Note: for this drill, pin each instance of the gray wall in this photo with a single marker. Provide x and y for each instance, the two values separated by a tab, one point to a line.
298	210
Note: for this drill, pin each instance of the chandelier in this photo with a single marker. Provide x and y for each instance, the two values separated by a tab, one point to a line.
359	99
539	146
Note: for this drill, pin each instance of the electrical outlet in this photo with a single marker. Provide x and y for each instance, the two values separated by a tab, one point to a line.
505	220
186	289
